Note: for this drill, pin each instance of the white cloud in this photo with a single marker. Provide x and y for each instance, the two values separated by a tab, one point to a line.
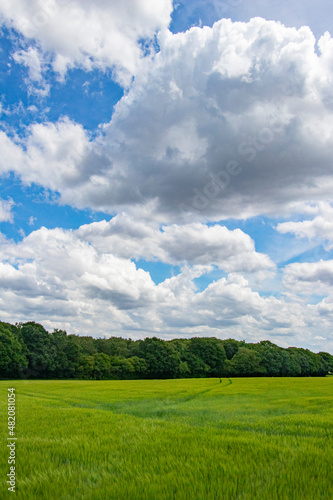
57	278
54	155
6	210
195	244
252	100
12	156
89	35
324	309
319	229
57	275
34	60
310	277
297	14
244	114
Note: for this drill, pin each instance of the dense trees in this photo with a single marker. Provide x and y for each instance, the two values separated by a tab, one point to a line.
28	351
245	363
13	359
211	352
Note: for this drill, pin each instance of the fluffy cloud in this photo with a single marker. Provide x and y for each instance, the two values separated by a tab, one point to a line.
289	13
194	244
89	35
50	155
34	60
310	277
244	114
55	275
319	229
6	210
324	310
58	278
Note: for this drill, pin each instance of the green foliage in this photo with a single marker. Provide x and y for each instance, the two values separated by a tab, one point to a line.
327	362
246	362
272	358
211	352
101	366
163	361
196	366
114	346
29	351
86	367
13	360
231	347
40	353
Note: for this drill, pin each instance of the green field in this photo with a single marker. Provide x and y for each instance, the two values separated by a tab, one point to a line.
255	438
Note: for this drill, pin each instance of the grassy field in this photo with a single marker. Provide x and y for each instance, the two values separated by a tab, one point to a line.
248	439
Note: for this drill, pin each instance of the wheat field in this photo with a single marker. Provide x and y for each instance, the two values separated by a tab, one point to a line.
190	439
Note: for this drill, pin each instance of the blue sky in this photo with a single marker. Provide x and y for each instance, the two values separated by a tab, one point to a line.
167	170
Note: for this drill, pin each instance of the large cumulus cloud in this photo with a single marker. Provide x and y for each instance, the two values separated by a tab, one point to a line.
229	121
244	114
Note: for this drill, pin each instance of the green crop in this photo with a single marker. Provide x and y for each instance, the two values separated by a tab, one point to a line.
193	439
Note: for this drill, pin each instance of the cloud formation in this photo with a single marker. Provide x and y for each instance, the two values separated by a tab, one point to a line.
310	277
6	210
319	229
64	281
34	60
53	155
231	121
244	114
81	33
189	244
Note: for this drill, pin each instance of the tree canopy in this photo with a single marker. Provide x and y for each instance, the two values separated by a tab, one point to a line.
27	350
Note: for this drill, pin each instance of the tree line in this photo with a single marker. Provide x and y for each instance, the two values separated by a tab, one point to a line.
27	350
